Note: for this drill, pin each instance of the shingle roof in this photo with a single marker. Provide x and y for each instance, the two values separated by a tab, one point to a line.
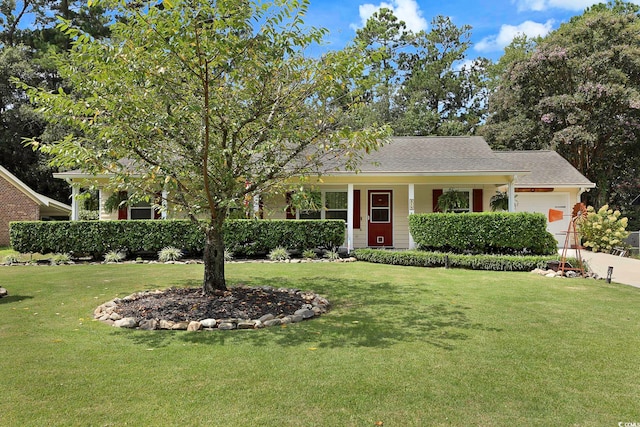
459	155
41	199
548	168
437	155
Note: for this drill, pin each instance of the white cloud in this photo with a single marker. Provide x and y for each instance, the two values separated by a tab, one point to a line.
405	10
508	32
540	5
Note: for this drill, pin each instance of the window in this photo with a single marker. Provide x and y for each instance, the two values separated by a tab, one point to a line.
455	200
309	206
335	205
141	210
323	205
380	207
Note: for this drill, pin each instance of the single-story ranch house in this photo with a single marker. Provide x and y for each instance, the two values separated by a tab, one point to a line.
407	176
18	202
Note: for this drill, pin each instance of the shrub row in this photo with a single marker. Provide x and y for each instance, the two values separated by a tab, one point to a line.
242	237
440	259
487	232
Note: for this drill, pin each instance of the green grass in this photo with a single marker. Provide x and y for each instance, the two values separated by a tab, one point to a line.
403	345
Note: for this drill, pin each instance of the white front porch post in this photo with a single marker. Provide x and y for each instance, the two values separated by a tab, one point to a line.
256	206
75	209
512	196
412	210
350	217
165	205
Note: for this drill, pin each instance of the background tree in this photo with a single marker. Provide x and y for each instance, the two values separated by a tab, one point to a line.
214	100
421	84
442	93
27	36
577	93
383	37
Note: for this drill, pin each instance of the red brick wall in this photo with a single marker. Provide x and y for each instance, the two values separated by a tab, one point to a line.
14	206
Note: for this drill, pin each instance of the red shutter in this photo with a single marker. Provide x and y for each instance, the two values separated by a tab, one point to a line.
436	195
291	212
123	211
477	200
356	208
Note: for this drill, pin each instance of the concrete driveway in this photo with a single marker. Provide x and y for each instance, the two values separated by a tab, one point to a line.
625	270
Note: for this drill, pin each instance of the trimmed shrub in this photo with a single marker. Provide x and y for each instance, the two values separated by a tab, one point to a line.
258	237
483	233
242	237
441	259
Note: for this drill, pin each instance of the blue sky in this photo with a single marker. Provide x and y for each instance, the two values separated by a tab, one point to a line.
494	22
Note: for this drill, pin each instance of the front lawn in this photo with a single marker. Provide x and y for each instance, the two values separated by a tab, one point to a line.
406	346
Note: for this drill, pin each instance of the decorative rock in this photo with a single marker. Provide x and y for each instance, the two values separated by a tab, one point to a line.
127	322
266	317
295	318
273	322
314	305
246	324
180	326
208	323
166	324
305	313
194	326
148	324
550	275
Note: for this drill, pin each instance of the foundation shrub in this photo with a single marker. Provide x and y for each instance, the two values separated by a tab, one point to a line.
242	237
441	259
483	233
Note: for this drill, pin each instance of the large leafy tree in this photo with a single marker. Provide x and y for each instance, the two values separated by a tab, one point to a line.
211	100
27	35
577	93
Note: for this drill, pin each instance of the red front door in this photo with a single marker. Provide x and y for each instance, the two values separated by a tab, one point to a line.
380	223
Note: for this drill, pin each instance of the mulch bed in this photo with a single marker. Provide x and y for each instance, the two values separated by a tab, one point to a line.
185	304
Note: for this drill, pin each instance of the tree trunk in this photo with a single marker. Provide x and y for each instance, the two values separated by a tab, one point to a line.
214	258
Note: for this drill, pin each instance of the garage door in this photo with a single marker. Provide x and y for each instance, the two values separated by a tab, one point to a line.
542	202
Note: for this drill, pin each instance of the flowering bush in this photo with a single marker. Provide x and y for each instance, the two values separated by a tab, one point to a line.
603	230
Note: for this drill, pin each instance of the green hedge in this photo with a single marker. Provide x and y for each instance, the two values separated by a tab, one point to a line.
242	237
486	233
439	259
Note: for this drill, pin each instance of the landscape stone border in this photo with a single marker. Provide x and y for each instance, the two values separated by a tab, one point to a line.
567	274
313	306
